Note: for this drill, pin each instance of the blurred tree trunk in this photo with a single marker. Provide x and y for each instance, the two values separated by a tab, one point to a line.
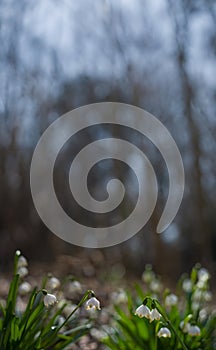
200	230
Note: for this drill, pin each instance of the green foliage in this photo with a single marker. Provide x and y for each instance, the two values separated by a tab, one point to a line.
180	313
37	327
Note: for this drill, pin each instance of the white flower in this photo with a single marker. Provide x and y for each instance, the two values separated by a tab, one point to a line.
49	299
171	300
22	271
184	326
92	303
143	311
155	286
22	262
24	288
155	315
148	275
194	331
119	297
187	285
195	305
203	315
207	296
203	275
164	332
197	295
75	287
201	284
53	283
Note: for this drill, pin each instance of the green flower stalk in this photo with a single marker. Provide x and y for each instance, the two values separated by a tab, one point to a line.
157	305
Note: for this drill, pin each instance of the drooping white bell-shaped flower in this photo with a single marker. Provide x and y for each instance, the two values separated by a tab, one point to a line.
143	311
155	315
92	303
164	332
171	300
194	331
50	299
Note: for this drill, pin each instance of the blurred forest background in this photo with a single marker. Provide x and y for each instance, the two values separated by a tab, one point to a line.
159	55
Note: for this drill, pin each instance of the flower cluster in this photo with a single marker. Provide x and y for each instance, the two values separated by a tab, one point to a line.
151	280
171	300
181	320
191	329
152	315
22	265
198	293
33	318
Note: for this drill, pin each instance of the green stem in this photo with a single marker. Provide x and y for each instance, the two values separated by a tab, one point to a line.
16	259
82	301
162	312
156	337
31	303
